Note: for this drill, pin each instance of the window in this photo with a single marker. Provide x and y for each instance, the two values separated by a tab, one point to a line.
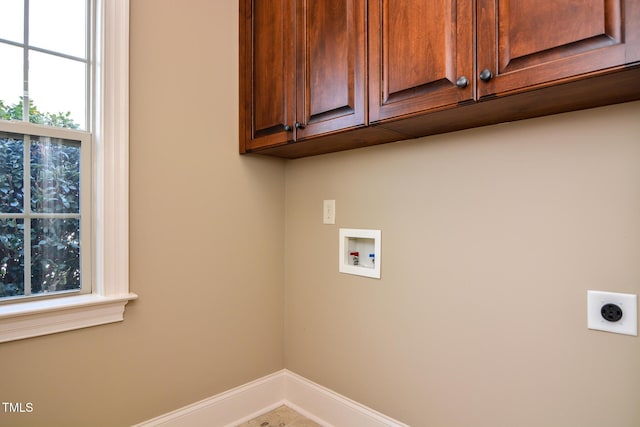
63	165
45	215
45	181
46	48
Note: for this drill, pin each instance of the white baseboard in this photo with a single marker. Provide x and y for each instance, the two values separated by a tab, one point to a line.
229	408
330	408
246	402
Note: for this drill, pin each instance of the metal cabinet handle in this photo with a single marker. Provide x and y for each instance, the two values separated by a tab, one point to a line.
486	75
462	82
299	125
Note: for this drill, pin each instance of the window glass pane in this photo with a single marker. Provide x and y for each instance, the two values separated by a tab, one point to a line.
11	175
59	26
12	20
57	86
11	257
55	255
55	176
11	78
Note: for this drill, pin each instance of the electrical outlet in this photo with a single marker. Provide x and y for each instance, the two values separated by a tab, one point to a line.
612	312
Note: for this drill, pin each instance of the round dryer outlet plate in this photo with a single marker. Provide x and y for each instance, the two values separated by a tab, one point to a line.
612	312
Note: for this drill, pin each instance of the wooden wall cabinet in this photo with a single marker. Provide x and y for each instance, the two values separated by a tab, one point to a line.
423	54
526	43
267	73
432	66
420	56
302	69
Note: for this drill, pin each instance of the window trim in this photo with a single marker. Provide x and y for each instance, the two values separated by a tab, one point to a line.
110	291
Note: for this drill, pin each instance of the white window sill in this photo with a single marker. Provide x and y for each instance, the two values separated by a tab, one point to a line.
34	318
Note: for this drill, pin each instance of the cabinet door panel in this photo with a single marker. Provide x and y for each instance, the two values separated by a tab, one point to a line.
331	66
526	43
575	21
418	49
268	87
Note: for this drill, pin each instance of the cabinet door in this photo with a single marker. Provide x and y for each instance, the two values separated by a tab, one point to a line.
330	66
267	72
418	49
523	43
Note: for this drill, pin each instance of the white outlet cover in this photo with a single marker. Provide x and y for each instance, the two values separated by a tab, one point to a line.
329	212
628	325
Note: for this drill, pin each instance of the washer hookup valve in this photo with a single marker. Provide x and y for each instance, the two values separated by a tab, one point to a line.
355	256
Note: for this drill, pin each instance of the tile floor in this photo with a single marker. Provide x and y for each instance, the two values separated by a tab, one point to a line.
281	417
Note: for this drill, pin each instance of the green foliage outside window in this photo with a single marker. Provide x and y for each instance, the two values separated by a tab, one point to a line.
15	112
54	185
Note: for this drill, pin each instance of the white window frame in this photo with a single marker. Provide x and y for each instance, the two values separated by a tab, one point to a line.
110	291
